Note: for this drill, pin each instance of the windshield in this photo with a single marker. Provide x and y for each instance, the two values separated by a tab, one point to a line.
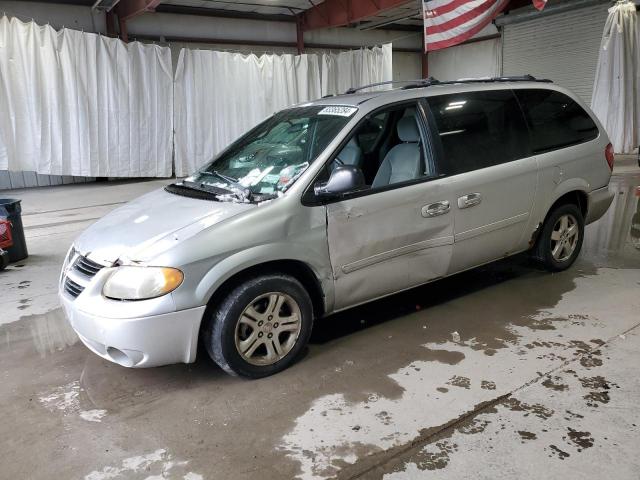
267	160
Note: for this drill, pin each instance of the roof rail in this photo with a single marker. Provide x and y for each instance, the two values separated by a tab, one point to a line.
512	78
427	82
421	82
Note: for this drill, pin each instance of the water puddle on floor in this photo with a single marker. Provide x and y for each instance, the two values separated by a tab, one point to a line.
43	334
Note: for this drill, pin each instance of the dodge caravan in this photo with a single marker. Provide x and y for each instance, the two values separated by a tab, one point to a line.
331	204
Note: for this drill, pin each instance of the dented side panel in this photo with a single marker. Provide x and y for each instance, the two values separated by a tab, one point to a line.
381	243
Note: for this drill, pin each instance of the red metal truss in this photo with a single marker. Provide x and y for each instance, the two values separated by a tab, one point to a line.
127	9
337	13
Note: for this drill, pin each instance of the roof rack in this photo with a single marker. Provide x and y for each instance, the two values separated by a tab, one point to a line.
427	82
421	82
512	78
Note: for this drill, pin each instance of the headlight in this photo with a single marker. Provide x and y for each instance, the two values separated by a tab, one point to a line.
141	283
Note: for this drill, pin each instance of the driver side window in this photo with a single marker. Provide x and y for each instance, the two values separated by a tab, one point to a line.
387	147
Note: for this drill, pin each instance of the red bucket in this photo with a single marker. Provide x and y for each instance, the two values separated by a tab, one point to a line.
6	240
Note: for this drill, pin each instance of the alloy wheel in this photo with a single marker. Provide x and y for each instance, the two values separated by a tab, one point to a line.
564	237
268	328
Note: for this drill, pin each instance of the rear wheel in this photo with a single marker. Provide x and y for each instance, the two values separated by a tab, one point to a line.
561	238
261	327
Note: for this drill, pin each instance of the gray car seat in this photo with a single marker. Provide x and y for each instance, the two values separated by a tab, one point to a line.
403	162
351	154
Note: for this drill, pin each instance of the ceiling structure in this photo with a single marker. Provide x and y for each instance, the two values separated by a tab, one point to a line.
400	13
306	14
359	14
385	14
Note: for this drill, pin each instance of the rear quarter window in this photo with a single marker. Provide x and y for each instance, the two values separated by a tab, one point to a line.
555	120
478	129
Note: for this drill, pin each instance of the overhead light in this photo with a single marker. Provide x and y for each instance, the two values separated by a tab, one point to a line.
455	105
451	132
106	5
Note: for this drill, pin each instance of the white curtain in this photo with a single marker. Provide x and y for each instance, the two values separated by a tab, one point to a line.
341	71
477	59
221	95
616	99
74	103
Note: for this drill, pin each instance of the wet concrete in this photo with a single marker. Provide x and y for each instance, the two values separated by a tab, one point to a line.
384	389
575	439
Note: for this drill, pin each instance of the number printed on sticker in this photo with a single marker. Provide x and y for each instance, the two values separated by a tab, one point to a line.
338	110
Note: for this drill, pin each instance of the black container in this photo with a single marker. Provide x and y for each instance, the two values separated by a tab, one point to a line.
11	210
4	259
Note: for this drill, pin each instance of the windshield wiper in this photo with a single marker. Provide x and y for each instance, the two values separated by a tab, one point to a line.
203	187
240	190
224	177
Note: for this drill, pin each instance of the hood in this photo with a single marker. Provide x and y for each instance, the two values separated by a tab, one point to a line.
146	226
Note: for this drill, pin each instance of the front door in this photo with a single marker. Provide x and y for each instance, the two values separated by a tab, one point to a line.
398	231
389	241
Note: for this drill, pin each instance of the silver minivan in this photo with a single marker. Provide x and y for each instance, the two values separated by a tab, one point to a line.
331	204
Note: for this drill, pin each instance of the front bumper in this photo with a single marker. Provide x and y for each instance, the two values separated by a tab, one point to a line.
599	202
146	341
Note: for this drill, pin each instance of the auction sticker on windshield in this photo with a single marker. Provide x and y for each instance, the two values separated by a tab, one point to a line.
338	111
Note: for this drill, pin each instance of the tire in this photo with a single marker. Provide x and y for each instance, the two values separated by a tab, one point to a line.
548	251
246	321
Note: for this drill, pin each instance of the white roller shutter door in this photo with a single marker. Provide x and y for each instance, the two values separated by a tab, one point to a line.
562	47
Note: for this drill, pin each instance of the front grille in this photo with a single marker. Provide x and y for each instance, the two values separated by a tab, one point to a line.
87	267
72	288
79	275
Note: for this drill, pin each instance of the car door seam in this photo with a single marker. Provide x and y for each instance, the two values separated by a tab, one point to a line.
507	222
396	252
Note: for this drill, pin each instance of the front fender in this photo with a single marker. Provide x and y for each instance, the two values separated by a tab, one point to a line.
261	254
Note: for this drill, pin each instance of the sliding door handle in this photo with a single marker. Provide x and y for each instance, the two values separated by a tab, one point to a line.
435	209
469	200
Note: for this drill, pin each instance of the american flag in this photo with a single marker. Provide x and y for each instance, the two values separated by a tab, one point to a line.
450	22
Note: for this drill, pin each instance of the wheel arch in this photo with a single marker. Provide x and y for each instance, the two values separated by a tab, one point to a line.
295	268
577	197
298	269
575	194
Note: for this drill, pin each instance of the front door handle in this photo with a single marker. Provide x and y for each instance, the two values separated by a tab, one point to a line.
469	200
435	209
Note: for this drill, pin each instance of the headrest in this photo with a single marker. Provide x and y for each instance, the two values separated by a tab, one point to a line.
408	130
353	142
350	154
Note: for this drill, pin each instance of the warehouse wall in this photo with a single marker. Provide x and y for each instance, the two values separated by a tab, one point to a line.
475	58
58	16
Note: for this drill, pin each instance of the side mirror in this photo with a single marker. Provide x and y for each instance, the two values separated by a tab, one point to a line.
344	178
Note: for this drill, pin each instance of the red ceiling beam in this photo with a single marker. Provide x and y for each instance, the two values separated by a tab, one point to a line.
127	9
338	13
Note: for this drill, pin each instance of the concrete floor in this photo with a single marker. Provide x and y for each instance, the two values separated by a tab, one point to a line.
501	372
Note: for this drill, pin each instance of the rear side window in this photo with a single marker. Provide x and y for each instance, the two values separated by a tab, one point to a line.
555	120
479	129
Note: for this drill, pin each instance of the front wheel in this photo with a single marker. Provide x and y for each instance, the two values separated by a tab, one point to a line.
261	327
561	238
